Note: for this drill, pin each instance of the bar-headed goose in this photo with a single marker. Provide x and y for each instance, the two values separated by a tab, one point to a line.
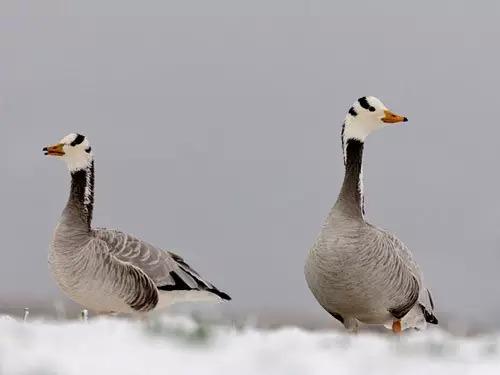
108	270
356	271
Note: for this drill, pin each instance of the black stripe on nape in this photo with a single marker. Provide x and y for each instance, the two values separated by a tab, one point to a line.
79	139
82	191
354	153
342	137
363	102
353	112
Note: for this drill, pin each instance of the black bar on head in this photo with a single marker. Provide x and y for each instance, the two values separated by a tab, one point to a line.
363	102
79	139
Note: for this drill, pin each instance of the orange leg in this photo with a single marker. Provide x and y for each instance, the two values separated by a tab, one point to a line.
396	326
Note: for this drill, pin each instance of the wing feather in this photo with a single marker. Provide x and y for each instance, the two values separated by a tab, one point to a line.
124	279
404	282
168	270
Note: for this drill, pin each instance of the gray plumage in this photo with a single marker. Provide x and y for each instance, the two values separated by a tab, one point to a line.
110	271
359	272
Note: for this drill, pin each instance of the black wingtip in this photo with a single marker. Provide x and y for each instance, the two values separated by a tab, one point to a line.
222	295
429	317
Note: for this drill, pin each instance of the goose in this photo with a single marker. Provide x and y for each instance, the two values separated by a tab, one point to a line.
106	270
355	270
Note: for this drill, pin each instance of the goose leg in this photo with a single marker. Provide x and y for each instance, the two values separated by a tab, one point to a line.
351	324
396	326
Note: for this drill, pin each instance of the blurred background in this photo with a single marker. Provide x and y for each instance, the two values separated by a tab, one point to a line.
216	131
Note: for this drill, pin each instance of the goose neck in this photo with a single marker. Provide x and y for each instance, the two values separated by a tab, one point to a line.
80	206
350	200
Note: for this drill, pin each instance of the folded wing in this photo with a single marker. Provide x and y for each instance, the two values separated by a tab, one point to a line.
168	271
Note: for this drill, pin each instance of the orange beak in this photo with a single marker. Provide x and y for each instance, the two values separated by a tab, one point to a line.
56	150
392	118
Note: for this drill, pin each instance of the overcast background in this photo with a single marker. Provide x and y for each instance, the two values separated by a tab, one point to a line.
215	126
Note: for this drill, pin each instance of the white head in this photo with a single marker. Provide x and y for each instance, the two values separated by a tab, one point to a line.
74	149
366	115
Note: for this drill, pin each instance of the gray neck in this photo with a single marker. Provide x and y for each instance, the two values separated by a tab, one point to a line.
78	210
350	200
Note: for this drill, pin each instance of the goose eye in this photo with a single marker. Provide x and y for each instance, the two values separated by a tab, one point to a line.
87	150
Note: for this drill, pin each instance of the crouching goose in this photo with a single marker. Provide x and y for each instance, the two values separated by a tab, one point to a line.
108	270
356	271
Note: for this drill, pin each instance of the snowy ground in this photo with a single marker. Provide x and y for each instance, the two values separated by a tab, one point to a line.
173	345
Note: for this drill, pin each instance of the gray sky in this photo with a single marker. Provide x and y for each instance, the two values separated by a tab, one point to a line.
216	130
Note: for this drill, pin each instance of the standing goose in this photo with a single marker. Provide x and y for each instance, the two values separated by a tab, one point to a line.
108	270
356	271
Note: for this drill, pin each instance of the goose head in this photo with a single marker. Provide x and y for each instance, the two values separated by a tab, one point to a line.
74	149
366	115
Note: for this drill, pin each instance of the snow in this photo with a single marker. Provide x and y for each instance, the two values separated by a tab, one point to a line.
177	345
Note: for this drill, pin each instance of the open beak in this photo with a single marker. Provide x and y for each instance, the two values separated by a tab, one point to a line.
56	150
393	118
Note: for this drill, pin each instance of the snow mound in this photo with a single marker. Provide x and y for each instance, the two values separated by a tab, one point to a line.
180	346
